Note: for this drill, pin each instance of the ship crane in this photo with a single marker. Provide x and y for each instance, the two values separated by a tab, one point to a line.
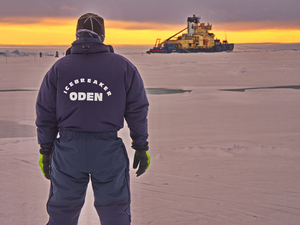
173	36
157	42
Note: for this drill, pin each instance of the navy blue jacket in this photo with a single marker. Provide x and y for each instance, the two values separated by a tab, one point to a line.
91	89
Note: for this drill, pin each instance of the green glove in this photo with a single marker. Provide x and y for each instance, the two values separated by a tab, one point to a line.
44	162
141	158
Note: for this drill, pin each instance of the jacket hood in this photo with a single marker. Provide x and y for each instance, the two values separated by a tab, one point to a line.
89	47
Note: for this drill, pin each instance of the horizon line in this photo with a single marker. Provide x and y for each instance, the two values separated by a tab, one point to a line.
50	46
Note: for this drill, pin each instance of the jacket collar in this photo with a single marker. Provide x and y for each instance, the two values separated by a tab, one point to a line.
88	46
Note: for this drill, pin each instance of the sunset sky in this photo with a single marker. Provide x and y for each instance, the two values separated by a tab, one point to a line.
140	22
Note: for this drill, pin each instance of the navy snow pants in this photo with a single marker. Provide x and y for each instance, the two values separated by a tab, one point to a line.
78	157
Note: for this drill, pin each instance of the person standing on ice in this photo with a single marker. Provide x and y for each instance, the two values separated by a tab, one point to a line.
82	103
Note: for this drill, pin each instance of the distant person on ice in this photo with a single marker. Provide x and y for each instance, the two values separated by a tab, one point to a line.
81	105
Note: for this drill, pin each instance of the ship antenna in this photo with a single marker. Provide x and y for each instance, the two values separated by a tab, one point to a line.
196	15
207	16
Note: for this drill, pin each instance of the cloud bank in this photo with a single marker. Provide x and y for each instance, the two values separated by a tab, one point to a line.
280	13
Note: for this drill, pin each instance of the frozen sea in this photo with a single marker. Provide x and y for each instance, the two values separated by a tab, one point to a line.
224	138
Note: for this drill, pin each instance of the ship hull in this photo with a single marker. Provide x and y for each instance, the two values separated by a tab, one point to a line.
216	48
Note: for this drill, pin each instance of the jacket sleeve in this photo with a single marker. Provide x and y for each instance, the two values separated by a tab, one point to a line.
137	110
46	111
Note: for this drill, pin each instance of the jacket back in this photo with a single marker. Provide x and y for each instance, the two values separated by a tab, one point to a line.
91	89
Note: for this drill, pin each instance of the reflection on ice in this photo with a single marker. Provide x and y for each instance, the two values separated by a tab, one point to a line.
162	91
276	87
12	129
12	90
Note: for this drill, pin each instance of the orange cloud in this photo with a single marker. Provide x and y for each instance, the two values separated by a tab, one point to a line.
4	21
46	32
133	25
262	25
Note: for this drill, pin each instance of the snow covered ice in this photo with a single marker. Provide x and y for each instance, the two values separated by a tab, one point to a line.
218	157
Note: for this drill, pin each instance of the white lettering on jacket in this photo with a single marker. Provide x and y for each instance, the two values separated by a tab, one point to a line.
89	96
